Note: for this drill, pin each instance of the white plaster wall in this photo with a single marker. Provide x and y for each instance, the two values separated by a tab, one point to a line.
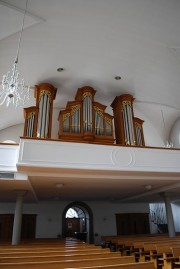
49	216
176	215
105	215
158	121
175	133
12	133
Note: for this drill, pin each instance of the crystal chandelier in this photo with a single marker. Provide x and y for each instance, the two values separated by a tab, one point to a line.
13	90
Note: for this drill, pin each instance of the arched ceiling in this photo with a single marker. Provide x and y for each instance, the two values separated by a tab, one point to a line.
94	41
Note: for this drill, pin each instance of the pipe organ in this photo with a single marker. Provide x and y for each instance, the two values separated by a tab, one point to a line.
85	120
128	129
38	119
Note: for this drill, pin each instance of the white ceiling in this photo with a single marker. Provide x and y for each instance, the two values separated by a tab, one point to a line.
94	41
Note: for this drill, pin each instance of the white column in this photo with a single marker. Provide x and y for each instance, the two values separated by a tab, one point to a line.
16	237
169	214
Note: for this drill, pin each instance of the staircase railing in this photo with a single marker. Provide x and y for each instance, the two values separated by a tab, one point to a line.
158	217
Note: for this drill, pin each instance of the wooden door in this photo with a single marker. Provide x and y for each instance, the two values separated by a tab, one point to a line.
6	227
132	223
72	226
28	228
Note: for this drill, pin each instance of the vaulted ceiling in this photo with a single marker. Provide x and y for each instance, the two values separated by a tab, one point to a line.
94	41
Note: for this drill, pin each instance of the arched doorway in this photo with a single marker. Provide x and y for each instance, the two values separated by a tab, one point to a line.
77	221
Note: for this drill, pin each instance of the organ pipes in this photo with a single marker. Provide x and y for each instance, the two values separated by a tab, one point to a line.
40	123
88	121
84	119
30	126
139	131
126	129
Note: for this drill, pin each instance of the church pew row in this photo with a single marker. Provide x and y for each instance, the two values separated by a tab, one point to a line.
53	252
166	256
129	241
68	263
45	245
58	257
51	249
141	265
174	261
43	242
155	249
131	244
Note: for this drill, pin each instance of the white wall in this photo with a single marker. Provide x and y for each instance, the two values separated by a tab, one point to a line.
176	215
49	216
12	133
105	218
158	121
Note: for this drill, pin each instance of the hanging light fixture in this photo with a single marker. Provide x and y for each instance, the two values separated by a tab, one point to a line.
13	90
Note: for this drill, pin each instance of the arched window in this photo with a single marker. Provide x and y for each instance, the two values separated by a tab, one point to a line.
75	212
77	220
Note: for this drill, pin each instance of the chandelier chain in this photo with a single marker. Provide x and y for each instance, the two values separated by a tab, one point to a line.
22	28
13	90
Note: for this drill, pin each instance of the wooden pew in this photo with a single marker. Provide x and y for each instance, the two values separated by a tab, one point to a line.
175	262
68	263
140	265
56	257
127	242
45	250
46	246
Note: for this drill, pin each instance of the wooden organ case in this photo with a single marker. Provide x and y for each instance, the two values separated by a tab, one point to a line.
128	129
38	119
139	132
85	120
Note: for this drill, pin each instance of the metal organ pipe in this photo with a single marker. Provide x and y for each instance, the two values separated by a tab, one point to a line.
129	124
46	116
131	127
30	126
43	117
126	127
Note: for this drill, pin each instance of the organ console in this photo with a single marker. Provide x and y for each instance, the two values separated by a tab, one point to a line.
86	120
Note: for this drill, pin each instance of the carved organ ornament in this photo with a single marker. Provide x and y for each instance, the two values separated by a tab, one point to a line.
85	120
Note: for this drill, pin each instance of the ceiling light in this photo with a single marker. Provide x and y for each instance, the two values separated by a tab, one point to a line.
117	77
13	91
59	185
60	69
148	187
